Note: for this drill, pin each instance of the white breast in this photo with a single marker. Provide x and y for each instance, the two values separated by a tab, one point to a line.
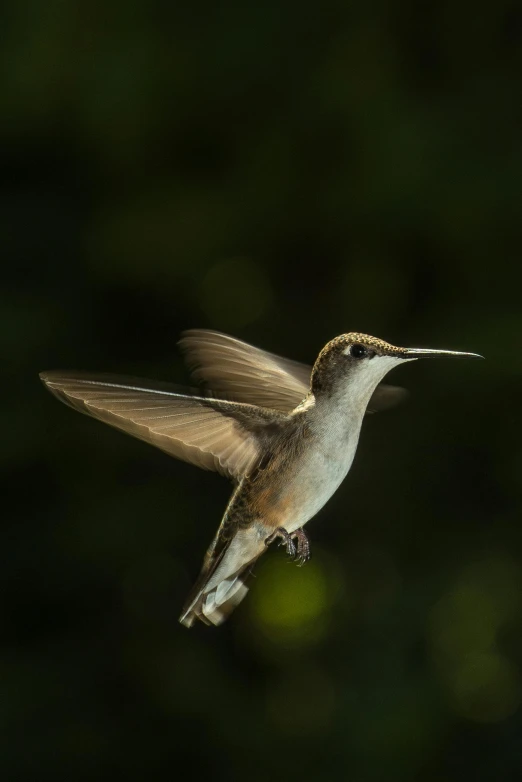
322	469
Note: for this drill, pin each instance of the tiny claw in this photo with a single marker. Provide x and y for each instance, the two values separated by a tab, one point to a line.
285	539
303	547
301	553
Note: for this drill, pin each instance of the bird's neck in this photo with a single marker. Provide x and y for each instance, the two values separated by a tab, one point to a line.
351	398
341	410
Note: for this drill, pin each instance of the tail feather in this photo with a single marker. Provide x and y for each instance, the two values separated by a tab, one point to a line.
214	606
222	583
221	603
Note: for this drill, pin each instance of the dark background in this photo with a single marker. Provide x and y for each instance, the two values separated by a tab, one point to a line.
284	173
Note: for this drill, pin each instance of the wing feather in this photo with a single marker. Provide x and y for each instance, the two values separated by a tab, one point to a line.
210	433
246	373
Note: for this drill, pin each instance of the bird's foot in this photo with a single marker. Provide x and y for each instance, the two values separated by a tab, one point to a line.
301	552
303	546
285	538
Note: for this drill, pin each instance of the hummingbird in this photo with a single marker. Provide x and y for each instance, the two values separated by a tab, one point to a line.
285	433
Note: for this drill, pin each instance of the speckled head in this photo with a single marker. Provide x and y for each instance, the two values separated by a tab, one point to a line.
363	361
373	345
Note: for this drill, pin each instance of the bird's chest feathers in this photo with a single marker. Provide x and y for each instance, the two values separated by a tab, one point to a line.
329	460
314	475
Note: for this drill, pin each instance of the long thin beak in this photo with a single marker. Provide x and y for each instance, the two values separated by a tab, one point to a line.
426	353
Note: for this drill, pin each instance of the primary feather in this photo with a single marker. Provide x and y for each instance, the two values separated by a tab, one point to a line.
210	433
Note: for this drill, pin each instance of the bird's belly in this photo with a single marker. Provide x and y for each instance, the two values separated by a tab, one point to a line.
308	488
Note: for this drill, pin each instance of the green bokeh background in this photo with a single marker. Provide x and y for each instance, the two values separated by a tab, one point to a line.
283	172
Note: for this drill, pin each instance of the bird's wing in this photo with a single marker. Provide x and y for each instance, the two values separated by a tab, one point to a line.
245	372
254	376
210	433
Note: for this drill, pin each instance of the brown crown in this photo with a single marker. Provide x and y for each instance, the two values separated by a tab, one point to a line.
379	345
327	356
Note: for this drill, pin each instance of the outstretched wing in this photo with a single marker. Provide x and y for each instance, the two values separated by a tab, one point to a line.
246	373
210	433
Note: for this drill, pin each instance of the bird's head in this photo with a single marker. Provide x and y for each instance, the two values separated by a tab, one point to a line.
356	363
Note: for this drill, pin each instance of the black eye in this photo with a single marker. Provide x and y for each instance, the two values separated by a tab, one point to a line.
359	351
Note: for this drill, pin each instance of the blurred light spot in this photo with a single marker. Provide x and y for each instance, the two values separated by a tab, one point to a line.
301	702
486	688
292	605
486	595
464	626
463	621
501	578
235	292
